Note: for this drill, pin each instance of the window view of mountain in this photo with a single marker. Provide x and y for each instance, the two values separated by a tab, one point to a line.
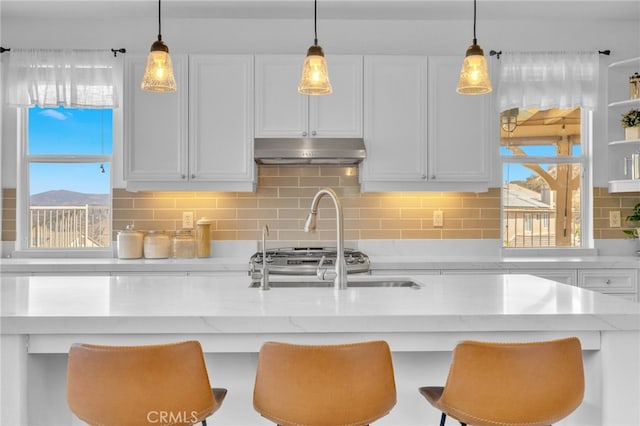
63	197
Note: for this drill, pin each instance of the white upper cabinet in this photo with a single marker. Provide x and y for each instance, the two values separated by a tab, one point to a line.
395	129
419	133
459	147
198	138
282	112
156	134
221	118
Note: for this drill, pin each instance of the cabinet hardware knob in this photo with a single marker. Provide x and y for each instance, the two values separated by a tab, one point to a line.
433	176
423	176
608	282
304	133
313	133
193	176
183	176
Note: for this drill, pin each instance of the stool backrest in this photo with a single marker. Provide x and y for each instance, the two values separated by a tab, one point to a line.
327	385
138	385
514	383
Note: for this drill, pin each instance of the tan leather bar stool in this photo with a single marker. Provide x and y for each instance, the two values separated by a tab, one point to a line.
326	385
511	384
139	385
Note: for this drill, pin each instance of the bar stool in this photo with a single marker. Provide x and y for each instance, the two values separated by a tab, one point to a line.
137	385
511	384
326	385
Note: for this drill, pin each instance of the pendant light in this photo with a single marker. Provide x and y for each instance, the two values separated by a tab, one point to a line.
474	75
158	75
315	77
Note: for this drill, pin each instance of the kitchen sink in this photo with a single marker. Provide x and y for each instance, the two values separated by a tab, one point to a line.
390	282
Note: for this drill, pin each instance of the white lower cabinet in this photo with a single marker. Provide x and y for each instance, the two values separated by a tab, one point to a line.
472	271
565	276
404	272
619	282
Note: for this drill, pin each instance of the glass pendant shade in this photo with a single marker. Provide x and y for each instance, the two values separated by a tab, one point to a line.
315	77
158	75
474	75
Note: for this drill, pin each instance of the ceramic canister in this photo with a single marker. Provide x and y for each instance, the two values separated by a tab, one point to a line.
203	237
130	243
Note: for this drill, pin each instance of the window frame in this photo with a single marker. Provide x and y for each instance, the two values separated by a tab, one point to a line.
586	192
24	160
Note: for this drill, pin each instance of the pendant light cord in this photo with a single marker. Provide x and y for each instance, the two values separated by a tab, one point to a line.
475	41
315	22
160	21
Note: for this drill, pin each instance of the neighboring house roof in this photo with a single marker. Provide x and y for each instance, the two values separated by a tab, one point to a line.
519	197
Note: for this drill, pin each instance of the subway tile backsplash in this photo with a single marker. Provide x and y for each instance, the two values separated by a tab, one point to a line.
284	195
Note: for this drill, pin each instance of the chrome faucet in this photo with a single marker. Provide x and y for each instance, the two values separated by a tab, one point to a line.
340	280
264	276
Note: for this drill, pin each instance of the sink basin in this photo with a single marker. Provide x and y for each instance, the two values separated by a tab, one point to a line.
390	282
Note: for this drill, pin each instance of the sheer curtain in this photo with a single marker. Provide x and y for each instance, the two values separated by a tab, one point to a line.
54	77
545	80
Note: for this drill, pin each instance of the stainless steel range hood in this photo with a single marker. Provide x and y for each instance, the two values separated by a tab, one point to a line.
309	151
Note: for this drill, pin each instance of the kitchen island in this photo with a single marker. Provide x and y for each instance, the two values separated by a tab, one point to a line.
43	315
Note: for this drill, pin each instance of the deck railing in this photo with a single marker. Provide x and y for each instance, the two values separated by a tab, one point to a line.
69	226
536	229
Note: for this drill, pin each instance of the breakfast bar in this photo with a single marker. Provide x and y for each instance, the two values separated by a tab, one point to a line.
43	315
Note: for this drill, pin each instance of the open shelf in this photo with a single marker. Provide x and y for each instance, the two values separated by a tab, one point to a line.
618	149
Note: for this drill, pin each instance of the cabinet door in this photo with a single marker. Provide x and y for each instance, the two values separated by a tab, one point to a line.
459	148
395	117
155	144
280	110
340	113
565	276
610	281
221	118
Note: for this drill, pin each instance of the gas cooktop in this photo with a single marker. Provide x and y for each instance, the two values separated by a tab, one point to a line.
305	260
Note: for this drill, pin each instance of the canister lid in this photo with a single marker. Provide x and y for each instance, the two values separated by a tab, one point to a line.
129	230
203	221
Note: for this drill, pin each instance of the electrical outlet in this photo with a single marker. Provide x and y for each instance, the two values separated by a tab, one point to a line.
437	218
614	219
187	220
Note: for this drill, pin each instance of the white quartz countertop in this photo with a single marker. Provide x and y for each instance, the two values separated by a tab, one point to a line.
226	304
114	265
241	264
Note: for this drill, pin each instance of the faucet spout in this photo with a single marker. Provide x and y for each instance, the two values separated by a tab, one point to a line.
264	279
340	281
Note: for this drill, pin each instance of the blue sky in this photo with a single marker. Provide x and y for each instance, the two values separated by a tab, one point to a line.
517	172
60	131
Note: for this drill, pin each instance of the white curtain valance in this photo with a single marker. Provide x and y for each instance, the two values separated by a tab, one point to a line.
54	77
545	80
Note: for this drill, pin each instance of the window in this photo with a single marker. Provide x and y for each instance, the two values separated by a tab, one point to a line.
543	166
65	178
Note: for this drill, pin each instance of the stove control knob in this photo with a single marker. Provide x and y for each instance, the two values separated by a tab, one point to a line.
269	259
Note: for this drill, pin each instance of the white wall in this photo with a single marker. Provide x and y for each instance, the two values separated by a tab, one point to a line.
421	37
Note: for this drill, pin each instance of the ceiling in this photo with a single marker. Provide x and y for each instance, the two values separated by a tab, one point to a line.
535	127
329	9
